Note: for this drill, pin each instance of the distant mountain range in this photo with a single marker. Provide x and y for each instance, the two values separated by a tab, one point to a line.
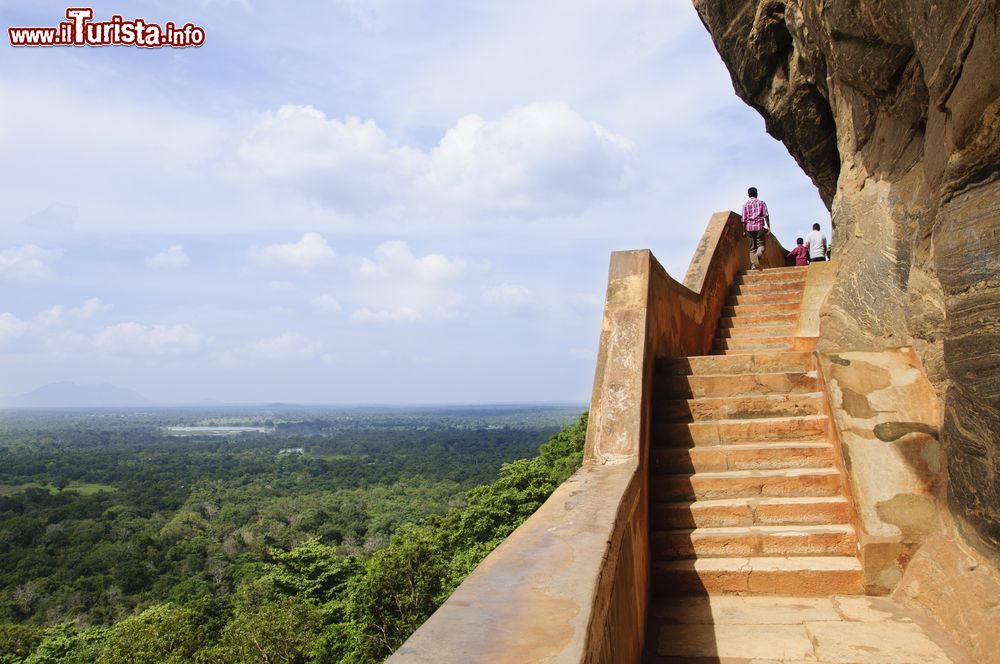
74	395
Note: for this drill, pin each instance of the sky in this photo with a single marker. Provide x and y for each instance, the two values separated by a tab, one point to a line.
359	201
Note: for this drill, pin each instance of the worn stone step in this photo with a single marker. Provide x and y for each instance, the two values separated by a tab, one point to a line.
770	276
776	297
749	511
744	483
743	345
811	576
752	406
760	309
756	332
735	385
759	320
736	432
749	363
721	458
752	541
768	287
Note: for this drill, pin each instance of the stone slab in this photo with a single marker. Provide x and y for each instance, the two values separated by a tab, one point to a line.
739	407
777	642
874	643
869	609
726	629
887	416
734	432
729	610
750	363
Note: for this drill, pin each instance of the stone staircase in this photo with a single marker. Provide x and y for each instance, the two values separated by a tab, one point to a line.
746	493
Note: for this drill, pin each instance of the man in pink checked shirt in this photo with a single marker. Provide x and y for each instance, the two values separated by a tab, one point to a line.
757	224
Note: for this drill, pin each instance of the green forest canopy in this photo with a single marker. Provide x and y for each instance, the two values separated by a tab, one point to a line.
228	550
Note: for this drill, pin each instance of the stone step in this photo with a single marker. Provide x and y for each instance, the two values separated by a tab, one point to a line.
767	287
795	511
761	309
738	408
759	320
735	385
736	432
749	363
769	276
721	458
752	541
751	344
811	576
777	297
762	332
745	483
756	332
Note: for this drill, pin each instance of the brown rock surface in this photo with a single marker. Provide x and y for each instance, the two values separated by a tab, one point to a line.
893	109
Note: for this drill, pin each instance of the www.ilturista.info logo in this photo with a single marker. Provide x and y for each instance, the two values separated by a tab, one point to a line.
81	30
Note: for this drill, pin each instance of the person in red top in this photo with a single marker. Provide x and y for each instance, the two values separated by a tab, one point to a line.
757	223
799	253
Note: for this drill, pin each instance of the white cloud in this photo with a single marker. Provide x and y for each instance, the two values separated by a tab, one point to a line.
399	315
136	338
327	303
171	258
311	252
60	315
27	263
394	258
11	328
90	308
287	346
399	287
351	164
52	316
511	299
543	158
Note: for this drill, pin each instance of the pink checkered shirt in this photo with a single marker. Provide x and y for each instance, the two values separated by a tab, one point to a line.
754	211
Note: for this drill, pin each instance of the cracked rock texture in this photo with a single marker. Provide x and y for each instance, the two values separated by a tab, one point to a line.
892	107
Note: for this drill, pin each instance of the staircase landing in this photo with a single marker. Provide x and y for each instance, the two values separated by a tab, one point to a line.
726	629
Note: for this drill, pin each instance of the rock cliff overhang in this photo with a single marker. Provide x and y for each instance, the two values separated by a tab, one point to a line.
893	109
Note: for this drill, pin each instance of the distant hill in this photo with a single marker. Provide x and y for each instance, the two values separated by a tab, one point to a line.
70	395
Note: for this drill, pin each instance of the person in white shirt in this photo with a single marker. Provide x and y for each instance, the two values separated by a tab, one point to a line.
816	244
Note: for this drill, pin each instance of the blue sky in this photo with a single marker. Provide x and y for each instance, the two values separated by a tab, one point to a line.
358	201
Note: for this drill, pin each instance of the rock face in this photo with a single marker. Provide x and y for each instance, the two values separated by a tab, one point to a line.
893	109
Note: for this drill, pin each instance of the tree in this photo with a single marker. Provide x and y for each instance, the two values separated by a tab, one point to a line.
267	628
65	644
399	589
18	641
315	571
163	633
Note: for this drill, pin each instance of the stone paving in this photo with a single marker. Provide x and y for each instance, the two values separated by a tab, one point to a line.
728	629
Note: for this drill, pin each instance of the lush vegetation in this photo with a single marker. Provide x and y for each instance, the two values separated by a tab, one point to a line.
328	539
